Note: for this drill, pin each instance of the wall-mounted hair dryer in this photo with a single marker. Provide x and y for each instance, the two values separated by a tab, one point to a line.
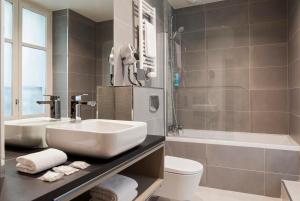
129	58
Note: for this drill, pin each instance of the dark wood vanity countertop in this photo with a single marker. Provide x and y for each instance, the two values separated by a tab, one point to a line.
23	187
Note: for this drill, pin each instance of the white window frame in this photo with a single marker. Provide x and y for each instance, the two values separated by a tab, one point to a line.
18	5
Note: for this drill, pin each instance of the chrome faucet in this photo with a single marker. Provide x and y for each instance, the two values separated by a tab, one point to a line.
54	102
76	102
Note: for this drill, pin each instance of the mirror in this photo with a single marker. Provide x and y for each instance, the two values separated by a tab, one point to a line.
57	47
52	47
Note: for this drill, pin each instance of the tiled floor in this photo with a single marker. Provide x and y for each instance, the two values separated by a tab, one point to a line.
211	194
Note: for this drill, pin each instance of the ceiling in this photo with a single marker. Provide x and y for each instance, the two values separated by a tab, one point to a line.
97	10
187	3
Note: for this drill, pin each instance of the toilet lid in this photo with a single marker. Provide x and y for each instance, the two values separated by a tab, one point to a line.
182	166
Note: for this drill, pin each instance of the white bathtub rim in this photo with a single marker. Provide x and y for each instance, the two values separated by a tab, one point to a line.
233	143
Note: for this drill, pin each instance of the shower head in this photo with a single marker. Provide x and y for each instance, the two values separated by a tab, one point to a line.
179	31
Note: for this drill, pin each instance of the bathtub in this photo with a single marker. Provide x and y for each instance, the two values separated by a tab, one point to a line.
259	140
238	161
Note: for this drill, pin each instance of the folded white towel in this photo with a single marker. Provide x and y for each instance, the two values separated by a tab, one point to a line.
116	188
51	176
40	161
130	195
150	39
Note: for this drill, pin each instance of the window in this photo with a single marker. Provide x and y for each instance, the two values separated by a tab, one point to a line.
27	59
8	58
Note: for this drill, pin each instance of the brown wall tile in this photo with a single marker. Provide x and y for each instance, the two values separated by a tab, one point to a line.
220	18
267	10
193	60
193	151
235	180
284	162
294	74
269	55
267	33
194	78
193	41
269	100
295	101
227	37
188	21
236	157
295	127
192	119
238	78
228	121
293	16
270	122
268	78
228	58
228	99
294	46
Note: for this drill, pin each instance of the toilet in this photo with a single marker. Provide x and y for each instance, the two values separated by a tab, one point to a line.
182	177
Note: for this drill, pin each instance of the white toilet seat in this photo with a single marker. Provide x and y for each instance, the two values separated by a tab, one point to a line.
182	166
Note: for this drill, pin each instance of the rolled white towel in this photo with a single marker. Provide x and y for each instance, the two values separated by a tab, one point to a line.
40	161
116	187
130	196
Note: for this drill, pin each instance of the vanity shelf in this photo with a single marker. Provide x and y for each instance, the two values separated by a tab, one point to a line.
143	163
148	173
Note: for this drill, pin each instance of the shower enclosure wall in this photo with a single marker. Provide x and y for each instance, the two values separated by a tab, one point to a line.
228	92
229	67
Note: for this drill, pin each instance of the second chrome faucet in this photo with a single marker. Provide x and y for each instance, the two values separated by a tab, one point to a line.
76	103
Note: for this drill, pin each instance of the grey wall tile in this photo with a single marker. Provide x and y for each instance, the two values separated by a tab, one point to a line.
235	180
294	47
105	102
190	10
224	4
192	119
284	162
194	78
267	33
238	78
193	41
82	65
228	121
191	98
188	21
229	99
294	74
270	122
269	100
228	58
227	37
193	60
269	55
236	157
295	101
293	16
267	10
295	127
193	151
220	18
268	78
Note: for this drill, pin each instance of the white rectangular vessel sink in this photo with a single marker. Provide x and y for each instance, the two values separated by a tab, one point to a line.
96	137
30	133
